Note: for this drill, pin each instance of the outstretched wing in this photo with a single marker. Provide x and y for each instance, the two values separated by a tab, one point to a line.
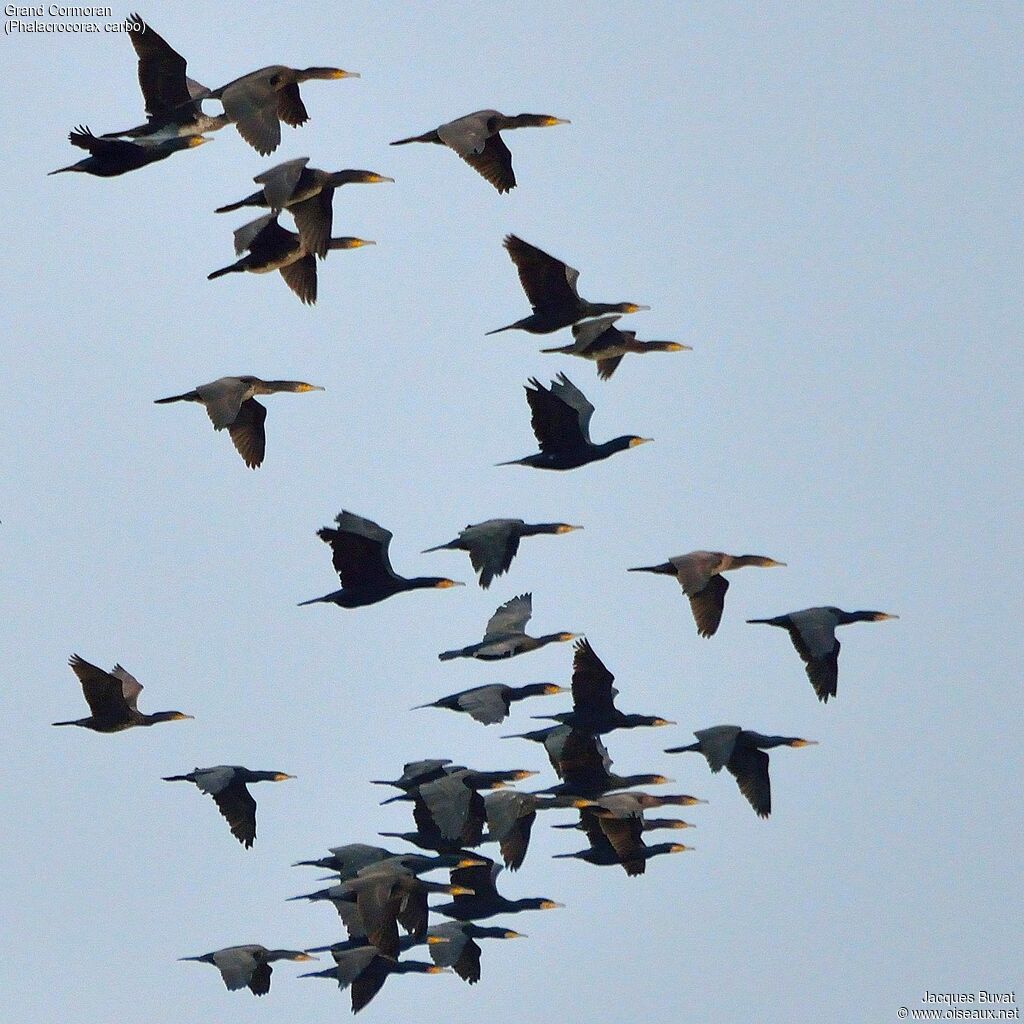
252	104
750	767
360	550
560	415
259	983
247	433
592	689
606	367
510	619
314	217
113	149
235	802
547	281
103	691
300	276
717	744
161	70
814	637
290	107
130	686
708	604
279	182
492	546
492	162
486	704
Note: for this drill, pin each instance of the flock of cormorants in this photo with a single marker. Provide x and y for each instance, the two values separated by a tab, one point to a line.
379	893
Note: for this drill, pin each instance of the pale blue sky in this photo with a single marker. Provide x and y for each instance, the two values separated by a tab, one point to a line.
824	201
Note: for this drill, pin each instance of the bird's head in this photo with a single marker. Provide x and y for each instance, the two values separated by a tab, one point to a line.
802	743
630	307
566	528
281	776
635	441
443	583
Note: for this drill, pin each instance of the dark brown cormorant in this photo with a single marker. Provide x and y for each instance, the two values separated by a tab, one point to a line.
454	946
227	785
510	818
486	901
415	773
504	636
603	343
449	812
229	402
813	632
493	544
550	285
560	417
348	860
248	966
360	554
112	698
258	102
308	195
593	698
172	99
269	247
490	704
582	761
618	840
700	575
471	777
110	157
365	970
384	895
476	139
743	753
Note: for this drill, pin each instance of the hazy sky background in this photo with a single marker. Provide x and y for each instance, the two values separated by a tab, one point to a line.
824	201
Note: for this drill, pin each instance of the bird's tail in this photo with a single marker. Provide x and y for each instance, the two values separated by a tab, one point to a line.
450	546
767	622
327	598
198	959
177	778
449	655
61	170
188	396
311	864
514	462
682	750
665	567
232	206
432	704
225	270
561	348
568	824
394	799
425	137
331	973
64	723
498	330
560	856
